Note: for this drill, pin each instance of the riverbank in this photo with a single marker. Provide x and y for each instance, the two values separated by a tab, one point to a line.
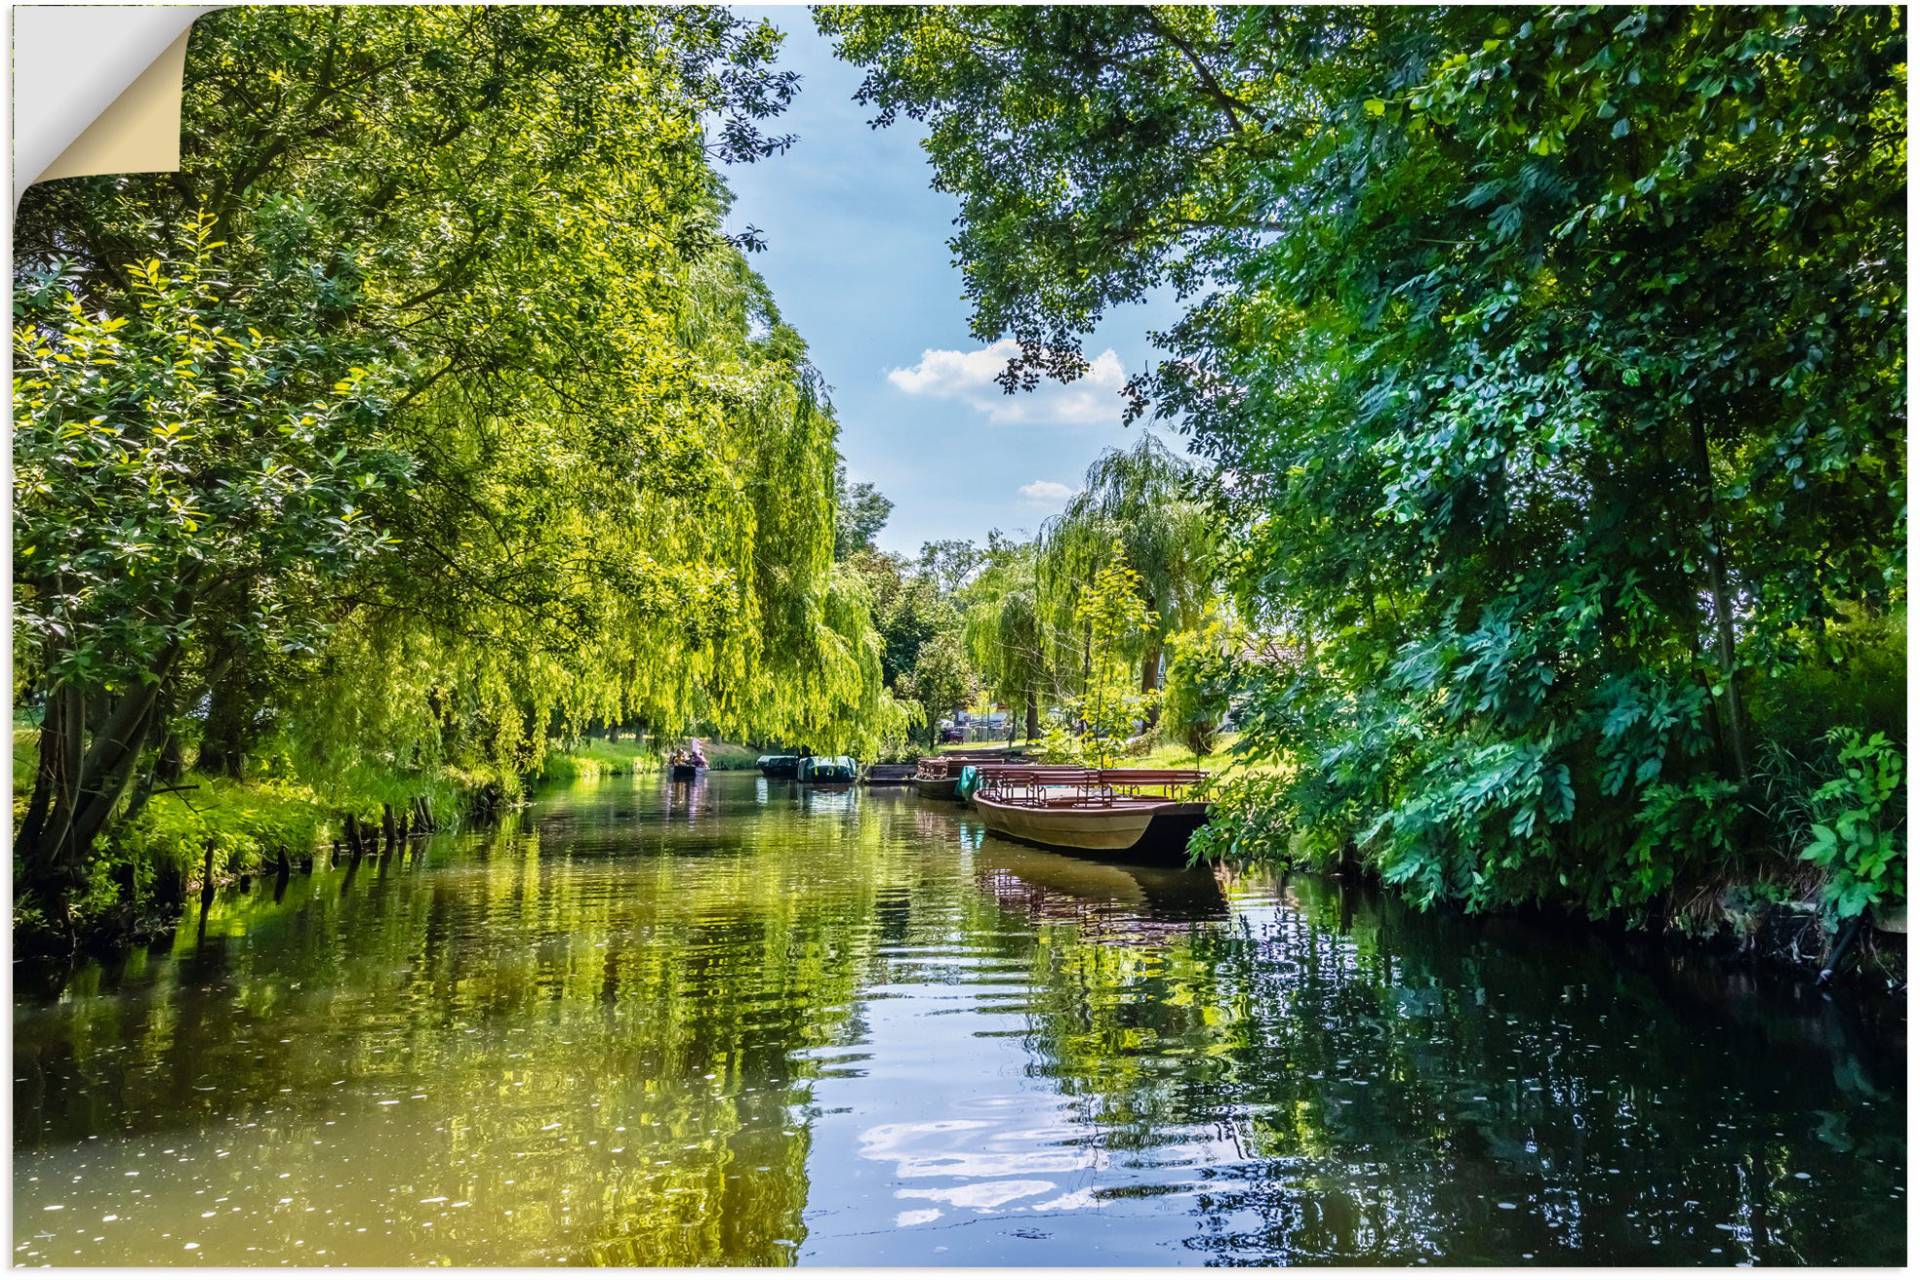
219	829
207	831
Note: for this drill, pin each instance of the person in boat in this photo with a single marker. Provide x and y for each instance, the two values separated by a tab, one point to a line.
697	758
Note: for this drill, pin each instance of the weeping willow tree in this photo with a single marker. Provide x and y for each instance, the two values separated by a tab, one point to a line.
1006	632
474	428
1140	500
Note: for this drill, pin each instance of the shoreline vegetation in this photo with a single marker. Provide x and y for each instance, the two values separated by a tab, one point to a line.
1536	541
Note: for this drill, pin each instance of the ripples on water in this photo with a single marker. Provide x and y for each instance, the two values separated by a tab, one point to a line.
744	1022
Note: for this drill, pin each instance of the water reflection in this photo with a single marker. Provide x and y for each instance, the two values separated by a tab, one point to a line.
735	1021
1106	900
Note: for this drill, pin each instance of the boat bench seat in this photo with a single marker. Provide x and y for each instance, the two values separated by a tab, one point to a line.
1057	776
1166	781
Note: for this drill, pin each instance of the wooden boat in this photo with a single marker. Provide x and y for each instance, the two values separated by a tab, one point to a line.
937	777
777	766
827	771
1131	814
687	772
888	775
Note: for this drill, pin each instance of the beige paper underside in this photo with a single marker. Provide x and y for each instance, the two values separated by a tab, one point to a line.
140	132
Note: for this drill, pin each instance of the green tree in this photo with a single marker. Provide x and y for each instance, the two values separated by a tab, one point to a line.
940	679
1141	501
184	487
861	511
1550	361
1117	622
611	496
951	563
1007	632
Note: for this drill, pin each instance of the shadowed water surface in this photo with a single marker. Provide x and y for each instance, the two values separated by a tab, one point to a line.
742	1022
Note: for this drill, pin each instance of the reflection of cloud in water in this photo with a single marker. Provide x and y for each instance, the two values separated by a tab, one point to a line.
974	1149
984	1196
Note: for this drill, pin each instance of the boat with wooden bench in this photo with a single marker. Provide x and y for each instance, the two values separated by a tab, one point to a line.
888	775
1144	815
937	777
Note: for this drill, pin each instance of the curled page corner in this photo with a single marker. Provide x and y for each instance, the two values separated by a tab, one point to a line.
96	89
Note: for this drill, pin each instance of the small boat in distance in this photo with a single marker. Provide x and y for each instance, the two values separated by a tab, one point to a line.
937	777
687	765
777	766
827	771
888	775
1141	815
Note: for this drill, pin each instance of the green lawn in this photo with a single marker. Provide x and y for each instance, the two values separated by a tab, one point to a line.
1164	754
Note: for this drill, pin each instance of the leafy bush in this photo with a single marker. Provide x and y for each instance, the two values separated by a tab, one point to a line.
1859	825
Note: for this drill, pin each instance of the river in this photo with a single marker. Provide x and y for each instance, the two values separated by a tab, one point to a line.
743	1022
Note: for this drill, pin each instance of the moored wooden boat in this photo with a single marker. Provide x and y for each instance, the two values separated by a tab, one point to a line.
888	775
1133	814
937	777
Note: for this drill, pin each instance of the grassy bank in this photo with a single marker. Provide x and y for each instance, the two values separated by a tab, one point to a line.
1160	753
156	858
592	758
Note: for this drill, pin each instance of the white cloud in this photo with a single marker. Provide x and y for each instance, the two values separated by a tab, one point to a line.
968	376
1046	493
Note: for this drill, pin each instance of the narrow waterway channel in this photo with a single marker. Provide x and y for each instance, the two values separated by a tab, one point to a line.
744	1022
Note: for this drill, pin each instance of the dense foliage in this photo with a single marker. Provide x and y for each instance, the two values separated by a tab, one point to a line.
425	416
1551	361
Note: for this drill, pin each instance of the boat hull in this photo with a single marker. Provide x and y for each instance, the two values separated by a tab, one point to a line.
937	788
1146	831
686	772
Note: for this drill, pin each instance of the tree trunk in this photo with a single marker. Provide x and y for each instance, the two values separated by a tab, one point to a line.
1033	713
78	783
56	777
172	765
1722	601
1150	680
223	748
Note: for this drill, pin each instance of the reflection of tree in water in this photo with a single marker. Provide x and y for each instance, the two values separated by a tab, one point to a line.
612	1027
617	1048
1377	1085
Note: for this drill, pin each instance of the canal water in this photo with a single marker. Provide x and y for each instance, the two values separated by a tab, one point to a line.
744	1022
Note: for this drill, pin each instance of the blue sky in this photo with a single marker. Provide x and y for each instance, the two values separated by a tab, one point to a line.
858	261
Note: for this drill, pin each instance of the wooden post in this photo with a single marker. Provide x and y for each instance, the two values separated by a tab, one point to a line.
206	875
387	827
